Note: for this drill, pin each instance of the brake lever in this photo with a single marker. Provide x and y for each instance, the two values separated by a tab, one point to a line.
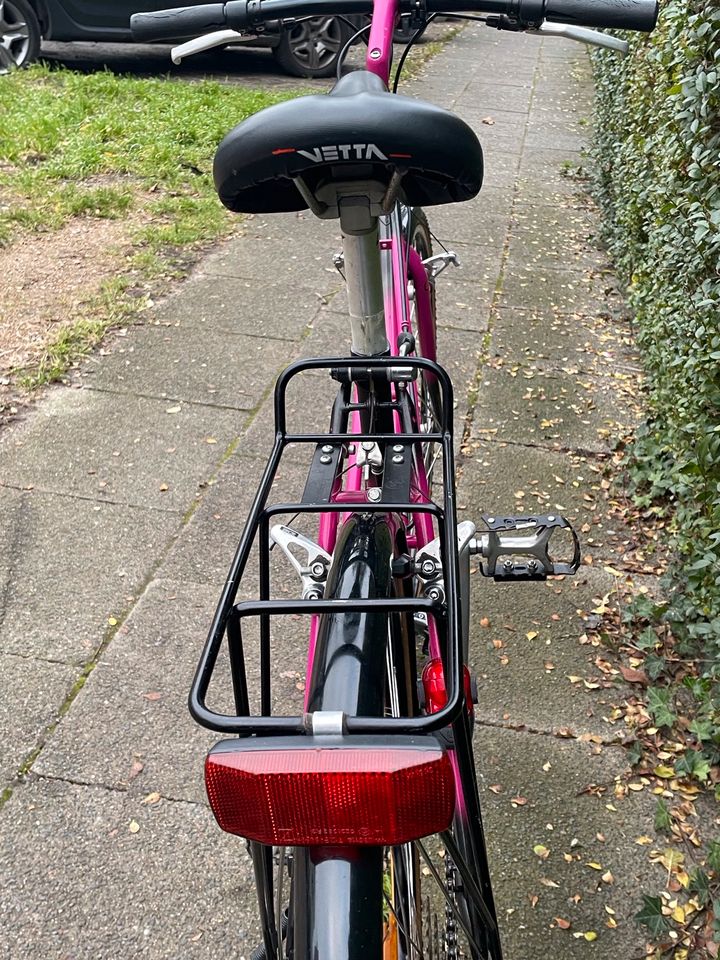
592	38
199	44
580	34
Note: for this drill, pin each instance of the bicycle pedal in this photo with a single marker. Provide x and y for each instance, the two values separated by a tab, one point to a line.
527	537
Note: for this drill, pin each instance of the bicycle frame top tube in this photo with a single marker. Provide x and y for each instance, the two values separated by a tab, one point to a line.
380	41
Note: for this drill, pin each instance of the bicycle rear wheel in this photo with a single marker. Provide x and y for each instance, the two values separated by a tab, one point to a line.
441	898
424	323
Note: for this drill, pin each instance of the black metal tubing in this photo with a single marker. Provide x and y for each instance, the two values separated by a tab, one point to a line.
447	616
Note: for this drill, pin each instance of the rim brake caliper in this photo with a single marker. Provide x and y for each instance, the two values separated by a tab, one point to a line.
314	565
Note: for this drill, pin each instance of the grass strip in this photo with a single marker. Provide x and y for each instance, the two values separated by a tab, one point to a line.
115	147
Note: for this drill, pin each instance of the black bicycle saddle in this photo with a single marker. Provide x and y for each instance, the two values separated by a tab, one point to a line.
359	131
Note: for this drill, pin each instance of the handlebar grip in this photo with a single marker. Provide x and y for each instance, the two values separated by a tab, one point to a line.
178	24
617	14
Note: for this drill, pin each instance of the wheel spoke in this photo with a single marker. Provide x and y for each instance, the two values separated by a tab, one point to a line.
448	897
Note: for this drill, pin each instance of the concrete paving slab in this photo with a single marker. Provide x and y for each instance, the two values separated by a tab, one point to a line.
557	289
534	162
509	478
551	138
301	230
297	253
78	443
588	343
205	548
308	404
58	609
554	409
133	709
476	260
32	690
189	364
549	683
77	883
227	305
484	97
552	188
470	223
464	305
564	812
553	237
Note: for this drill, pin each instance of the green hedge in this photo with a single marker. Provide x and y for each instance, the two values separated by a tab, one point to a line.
657	179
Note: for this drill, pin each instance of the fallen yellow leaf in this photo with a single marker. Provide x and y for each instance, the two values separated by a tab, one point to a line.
667	773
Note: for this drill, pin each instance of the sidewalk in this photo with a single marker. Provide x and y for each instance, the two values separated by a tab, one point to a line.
117	494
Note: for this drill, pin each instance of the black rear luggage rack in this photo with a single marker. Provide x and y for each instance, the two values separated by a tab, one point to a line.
229	615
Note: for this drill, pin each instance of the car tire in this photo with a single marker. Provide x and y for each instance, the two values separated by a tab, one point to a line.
20	35
311	48
403	31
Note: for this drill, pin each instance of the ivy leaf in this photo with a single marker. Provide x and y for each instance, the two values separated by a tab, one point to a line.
651	916
699	885
713	858
663	820
694	764
654	665
659	707
635	753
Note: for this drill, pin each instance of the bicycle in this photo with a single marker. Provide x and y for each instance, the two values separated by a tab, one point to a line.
366	804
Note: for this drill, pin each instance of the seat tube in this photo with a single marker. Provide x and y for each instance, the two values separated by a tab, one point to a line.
363	276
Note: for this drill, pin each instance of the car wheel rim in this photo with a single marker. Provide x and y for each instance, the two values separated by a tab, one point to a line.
14	37
315	43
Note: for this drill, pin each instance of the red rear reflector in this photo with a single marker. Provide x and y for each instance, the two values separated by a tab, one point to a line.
310	795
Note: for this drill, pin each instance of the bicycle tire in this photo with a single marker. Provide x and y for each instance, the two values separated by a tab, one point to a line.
430	395
472	932
348	674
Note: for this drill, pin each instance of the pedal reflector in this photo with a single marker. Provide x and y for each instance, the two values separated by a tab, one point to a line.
300	791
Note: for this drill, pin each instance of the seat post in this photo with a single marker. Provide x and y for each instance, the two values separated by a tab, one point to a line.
363	275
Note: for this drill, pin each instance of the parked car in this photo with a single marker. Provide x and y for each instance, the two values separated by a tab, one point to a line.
309	48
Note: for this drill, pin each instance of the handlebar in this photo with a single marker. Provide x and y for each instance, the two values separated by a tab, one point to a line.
239	15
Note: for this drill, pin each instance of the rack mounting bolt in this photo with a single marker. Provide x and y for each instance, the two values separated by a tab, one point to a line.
325	459
398	459
374	494
327	448
398	448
